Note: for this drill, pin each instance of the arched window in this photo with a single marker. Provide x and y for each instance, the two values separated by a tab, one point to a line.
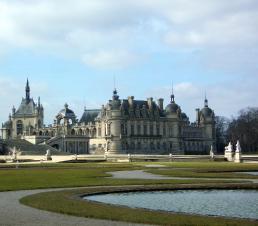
19	127
99	132
72	132
93	133
39	123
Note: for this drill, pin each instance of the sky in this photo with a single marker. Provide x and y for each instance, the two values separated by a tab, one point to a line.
71	51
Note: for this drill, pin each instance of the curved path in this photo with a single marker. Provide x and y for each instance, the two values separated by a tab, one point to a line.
141	174
12	213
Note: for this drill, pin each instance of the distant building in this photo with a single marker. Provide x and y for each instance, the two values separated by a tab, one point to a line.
121	126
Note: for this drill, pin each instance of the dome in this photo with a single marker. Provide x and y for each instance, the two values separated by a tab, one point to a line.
184	116
207	112
66	113
172	108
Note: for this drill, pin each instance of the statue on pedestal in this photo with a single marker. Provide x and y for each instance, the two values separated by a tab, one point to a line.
229	152
48	155
237	158
212	156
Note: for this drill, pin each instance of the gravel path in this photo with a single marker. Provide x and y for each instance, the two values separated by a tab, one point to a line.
141	174
12	213
137	174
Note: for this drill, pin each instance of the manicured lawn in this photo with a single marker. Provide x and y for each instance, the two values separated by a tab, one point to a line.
96	174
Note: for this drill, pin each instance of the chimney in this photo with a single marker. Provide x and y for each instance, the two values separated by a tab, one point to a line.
149	101
160	103
130	100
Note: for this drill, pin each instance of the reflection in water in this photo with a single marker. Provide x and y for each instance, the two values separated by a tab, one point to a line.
229	203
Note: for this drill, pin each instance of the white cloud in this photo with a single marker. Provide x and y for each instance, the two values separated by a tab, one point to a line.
109	59
226	99
79	28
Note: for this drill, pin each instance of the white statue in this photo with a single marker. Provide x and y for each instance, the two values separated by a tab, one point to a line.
129	157
237	158
212	153
230	147
229	152
48	155
238	147
14	154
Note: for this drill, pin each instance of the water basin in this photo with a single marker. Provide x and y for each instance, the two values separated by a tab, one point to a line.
227	203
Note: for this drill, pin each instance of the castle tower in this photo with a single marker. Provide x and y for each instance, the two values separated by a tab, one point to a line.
115	119
26	119
207	123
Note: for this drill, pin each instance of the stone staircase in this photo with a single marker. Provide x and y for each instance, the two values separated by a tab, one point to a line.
28	148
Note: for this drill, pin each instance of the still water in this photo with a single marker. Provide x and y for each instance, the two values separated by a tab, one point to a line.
228	203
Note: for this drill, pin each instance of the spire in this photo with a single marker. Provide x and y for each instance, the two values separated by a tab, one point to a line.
205	100
27	90
172	94
38	101
115	96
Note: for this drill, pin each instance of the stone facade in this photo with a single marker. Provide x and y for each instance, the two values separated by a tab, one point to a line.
119	127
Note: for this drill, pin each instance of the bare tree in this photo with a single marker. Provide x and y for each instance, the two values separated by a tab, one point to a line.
245	129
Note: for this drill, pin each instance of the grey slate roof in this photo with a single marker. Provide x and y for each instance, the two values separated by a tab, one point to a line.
89	115
26	108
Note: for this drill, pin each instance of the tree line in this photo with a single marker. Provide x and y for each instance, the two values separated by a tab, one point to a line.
244	128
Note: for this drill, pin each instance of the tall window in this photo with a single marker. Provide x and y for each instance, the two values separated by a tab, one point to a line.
151	129
39	123
139	146
99	131
164	130
19	127
145	130
139	129
122	129
125	129
158	129
108	130
132	129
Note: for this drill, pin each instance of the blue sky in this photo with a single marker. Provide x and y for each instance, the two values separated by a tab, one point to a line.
71	50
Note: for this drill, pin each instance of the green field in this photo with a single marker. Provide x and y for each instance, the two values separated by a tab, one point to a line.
96	174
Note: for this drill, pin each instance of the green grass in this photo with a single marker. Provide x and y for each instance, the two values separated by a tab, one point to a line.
69	202
95	174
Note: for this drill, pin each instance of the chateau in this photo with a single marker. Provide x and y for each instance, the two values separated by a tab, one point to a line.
121	126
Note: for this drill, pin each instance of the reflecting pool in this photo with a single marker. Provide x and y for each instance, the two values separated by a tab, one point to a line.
228	203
